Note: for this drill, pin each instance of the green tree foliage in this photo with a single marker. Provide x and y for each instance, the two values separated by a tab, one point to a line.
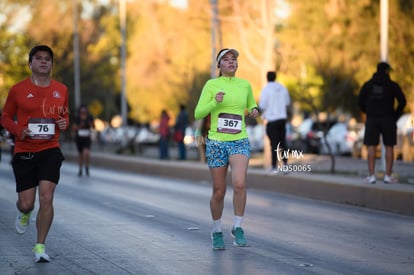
165	55
13	53
100	60
340	39
99	48
323	51
13	61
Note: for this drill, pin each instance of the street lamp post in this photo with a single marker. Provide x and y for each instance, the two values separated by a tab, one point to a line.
383	52
214	12
76	68
122	18
384	30
215	34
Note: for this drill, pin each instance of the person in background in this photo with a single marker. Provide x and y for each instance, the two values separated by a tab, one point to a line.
181	124
40	106
200	136
274	104
6	137
82	126
164	131
226	99
376	99
1	138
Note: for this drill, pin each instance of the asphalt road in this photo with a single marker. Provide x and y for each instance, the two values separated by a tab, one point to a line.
126	223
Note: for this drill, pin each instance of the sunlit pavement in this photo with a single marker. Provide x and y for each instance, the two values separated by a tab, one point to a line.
308	176
120	222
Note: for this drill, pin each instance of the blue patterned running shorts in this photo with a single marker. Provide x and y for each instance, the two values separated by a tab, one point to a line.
218	152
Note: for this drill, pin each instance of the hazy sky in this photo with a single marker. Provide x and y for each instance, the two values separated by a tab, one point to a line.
179	3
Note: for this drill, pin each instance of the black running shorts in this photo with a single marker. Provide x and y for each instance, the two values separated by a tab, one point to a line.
385	126
82	144
29	168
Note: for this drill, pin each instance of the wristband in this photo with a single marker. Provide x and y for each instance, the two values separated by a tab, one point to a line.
258	110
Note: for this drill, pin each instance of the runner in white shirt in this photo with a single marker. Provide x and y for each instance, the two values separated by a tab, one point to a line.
274	104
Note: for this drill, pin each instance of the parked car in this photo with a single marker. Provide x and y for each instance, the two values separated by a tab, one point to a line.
256	135
340	139
311	133
405	137
111	135
146	136
189	137
292	137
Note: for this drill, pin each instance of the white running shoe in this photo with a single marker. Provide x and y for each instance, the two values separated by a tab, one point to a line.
390	179
40	255
22	222
370	179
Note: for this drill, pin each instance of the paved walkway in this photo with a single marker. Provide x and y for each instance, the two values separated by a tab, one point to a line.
344	165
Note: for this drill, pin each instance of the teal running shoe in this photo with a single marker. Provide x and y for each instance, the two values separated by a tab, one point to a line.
238	234
218	241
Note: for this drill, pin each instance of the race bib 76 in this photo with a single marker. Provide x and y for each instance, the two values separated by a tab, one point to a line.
42	128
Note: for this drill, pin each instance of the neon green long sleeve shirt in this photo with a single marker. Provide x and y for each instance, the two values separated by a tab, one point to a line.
227	117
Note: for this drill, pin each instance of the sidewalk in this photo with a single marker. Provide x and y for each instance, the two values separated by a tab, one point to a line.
346	165
346	186
320	164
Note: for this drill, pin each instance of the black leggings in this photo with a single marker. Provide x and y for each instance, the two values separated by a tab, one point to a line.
276	131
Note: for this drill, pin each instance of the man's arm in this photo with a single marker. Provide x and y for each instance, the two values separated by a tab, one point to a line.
401	101
361	98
